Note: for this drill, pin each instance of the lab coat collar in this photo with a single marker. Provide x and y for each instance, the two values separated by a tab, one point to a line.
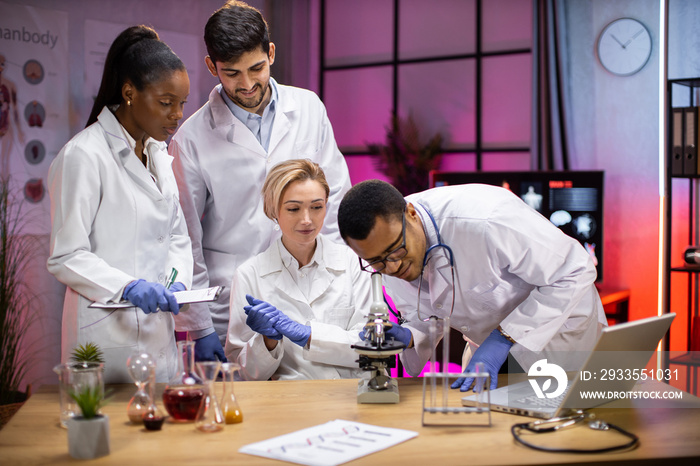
119	139
232	129
122	146
286	104
331	257
237	132
330	260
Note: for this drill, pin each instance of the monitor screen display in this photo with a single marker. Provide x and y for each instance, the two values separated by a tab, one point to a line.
571	200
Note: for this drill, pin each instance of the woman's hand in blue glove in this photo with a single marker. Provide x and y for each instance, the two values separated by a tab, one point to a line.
262	317
296	332
151	297
177	286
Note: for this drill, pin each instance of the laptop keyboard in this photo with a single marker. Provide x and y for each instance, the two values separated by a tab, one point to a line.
534	401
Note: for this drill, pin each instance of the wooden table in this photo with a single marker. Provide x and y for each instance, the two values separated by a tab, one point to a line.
275	408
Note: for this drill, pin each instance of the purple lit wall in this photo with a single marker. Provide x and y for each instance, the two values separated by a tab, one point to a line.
437	65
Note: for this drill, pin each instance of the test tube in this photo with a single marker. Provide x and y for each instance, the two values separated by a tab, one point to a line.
433	374
445	360
480	387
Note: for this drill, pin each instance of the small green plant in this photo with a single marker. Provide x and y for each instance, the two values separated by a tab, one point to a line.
89	399
89	352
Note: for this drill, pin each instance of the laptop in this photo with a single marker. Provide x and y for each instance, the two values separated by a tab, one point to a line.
603	369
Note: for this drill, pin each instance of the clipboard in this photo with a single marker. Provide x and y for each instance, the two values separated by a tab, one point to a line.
183	297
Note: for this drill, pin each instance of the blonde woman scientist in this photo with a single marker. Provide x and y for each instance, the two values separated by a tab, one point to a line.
297	307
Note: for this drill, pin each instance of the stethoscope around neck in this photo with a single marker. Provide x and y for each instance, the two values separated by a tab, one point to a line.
438	245
426	258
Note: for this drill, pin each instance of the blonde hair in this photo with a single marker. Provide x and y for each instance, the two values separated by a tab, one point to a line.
282	175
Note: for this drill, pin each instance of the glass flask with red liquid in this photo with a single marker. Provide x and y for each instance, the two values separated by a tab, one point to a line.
184	392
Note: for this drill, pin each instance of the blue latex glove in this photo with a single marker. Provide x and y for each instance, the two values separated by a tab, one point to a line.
262	317
396	332
296	332
493	353
177	286
151	297
208	348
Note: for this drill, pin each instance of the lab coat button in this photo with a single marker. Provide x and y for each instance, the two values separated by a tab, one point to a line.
161	355
464	328
439	306
161	239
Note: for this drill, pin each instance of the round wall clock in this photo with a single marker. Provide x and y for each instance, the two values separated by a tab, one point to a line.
624	46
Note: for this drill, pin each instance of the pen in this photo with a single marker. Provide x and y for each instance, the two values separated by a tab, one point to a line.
171	278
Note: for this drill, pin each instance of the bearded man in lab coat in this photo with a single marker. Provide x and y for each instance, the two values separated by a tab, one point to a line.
223	153
519	285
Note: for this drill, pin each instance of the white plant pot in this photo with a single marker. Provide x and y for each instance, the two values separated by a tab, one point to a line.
88	438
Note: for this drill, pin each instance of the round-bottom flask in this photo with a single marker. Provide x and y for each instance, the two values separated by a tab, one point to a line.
184	392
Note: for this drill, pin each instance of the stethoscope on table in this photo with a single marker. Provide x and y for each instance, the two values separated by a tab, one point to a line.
557	423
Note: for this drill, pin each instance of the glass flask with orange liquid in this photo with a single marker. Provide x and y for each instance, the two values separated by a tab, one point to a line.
229	405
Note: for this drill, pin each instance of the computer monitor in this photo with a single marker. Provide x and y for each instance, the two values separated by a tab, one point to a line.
571	200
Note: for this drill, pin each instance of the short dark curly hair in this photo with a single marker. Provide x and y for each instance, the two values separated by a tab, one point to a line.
365	202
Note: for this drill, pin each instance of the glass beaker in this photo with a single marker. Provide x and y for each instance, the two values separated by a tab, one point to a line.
75	377
139	366
229	405
209	417
184	392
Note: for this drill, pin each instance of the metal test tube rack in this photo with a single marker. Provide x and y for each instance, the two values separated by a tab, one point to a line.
436	413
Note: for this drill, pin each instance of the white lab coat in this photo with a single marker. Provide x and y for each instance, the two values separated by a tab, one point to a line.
339	301
111	224
220	167
512	267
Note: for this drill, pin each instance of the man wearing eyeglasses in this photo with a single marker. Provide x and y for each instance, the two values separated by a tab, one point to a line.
509	280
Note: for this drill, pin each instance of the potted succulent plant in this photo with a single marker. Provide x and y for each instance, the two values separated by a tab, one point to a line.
88	352
88	434
17	308
84	369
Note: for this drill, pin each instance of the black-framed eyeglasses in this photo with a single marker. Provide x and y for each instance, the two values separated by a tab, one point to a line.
394	256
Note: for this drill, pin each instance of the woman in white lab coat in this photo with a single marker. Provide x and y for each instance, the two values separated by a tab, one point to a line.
117	229
297	307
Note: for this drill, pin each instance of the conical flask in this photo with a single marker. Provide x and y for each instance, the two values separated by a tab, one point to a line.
229	405
209	417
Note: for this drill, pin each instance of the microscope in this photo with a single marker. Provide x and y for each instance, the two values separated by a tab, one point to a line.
377	354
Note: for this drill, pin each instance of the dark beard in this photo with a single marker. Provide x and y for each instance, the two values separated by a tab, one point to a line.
247	103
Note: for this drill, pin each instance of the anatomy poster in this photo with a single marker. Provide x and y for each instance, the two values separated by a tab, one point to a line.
34	106
99	35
